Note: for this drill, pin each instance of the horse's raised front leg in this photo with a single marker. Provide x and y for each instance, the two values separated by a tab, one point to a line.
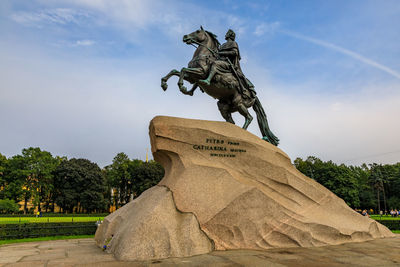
164	79
187	71
194	87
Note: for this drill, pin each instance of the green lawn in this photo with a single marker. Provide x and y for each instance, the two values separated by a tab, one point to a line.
8	220
46	238
384	217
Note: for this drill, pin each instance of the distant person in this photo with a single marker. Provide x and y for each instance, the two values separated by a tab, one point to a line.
365	213
37	214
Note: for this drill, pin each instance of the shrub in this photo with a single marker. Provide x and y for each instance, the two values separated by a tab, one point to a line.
50	214
391	224
27	230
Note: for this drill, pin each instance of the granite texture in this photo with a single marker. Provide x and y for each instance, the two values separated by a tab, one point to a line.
237	192
150	227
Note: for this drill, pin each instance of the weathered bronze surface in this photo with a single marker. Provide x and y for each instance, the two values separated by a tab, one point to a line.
216	70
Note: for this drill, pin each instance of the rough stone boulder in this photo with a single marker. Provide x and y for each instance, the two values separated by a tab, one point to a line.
225	188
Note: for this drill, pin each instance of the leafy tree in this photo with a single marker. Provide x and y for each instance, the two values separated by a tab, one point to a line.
3	163
15	180
29	176
129	178
50	199
381	177
390	179
307	166
365	190
66	183
79	184
394	187
92	198
146	175
120	178
394	202
40	166
337	178
8	206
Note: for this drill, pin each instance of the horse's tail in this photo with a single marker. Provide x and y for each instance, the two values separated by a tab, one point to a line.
263	123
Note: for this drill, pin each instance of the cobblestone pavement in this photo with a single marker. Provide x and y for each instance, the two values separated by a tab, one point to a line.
84	252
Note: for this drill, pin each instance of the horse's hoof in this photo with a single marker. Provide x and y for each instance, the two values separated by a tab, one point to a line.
265	138
164	86
204	82
183	89
190	93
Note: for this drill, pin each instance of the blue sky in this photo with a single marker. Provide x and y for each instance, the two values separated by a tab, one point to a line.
81	78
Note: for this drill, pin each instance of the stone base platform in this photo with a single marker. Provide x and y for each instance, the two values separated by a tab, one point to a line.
84	252
227	189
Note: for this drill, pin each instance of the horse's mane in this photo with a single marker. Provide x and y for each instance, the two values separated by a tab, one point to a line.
214	38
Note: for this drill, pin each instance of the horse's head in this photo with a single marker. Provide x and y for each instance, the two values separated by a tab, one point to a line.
197	37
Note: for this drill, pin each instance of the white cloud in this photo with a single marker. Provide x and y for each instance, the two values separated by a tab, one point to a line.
266	28
237	24
344	51
81	107
134	12
55	16
76	107
344	128
129	17
124	13
84	42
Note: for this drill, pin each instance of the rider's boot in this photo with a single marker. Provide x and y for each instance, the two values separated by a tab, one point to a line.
210	76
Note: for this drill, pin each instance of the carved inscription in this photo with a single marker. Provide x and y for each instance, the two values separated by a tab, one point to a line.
220	148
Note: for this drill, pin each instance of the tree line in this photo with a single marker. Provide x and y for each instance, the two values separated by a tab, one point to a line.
373	186
74	185
79	185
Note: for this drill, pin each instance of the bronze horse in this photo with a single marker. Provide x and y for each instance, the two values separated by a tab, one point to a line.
226	88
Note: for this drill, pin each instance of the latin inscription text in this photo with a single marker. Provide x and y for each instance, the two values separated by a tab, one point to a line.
220	148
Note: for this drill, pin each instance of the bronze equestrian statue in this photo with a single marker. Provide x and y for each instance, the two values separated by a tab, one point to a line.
216	70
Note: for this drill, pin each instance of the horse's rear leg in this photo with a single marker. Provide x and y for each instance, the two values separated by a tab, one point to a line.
243	111
164	79
225	111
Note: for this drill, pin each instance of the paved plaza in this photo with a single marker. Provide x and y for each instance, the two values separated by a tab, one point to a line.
84	252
